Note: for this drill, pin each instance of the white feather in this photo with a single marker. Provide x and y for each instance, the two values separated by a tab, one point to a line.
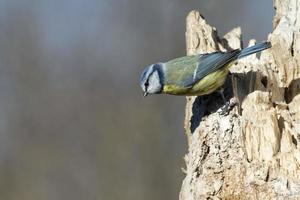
195	72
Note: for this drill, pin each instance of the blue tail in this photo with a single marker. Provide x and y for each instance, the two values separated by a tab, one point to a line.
254	49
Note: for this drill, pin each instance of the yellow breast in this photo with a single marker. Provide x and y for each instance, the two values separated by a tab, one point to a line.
210	83
207	85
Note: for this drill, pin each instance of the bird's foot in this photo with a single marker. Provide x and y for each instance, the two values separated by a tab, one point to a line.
224	110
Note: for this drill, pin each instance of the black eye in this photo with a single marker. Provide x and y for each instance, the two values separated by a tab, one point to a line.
146	84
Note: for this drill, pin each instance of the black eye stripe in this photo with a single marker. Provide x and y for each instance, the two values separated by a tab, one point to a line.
147	81
152	72
146	85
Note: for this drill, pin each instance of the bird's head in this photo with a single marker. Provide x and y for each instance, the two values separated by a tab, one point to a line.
151	80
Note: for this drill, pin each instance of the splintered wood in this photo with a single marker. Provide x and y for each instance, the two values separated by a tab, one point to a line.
254	154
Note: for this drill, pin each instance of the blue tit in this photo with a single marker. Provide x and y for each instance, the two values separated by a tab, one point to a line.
194	75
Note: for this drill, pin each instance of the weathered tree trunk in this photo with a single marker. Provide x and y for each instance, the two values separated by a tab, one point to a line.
255	153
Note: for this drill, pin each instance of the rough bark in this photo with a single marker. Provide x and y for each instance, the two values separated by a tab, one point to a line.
254	151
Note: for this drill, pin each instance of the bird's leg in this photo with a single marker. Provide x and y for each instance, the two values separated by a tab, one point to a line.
226	108
221	92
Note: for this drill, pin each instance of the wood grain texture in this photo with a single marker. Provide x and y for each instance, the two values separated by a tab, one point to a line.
254	154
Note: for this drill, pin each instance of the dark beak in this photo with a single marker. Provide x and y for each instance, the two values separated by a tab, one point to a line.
145	94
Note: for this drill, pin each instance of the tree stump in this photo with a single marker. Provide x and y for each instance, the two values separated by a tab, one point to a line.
253	152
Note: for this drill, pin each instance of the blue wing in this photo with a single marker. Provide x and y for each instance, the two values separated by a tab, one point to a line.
208	63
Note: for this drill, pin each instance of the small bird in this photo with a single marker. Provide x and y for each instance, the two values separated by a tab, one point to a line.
194	75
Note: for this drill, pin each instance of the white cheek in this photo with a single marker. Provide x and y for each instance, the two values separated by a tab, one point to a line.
154	84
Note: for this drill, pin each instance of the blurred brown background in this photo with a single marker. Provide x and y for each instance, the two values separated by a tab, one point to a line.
73	122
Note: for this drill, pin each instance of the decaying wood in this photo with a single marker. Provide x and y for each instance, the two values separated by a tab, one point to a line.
254	154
